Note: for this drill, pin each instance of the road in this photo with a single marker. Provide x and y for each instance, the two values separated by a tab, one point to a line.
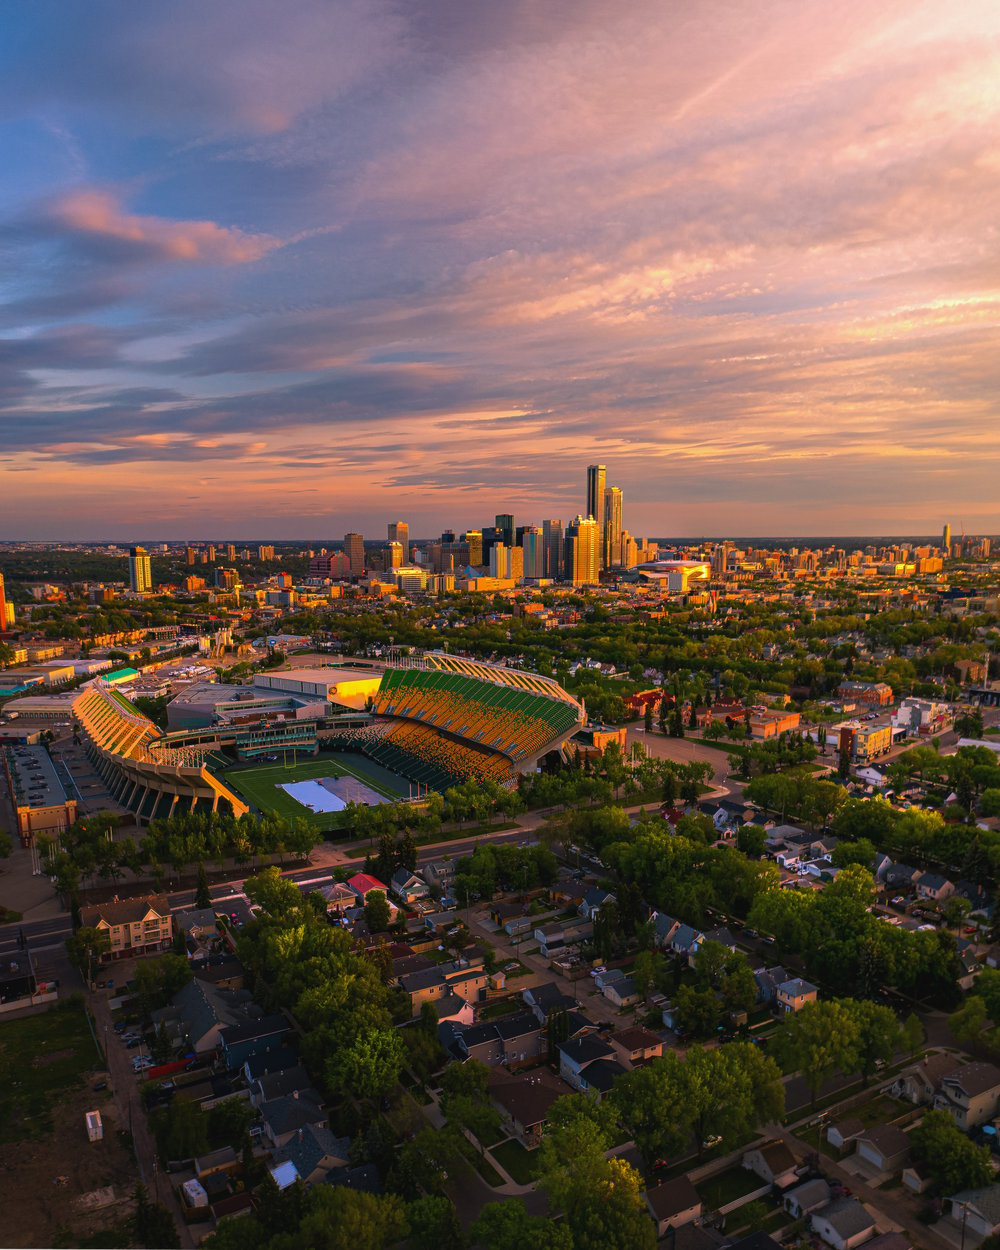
53	931
125	1086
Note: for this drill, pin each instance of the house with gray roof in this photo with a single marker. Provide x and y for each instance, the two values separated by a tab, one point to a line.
575	1055
803	1199
842	1223
978	1210
198	1013
284	1117
315	1152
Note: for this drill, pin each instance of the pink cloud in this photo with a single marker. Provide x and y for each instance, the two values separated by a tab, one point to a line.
97	214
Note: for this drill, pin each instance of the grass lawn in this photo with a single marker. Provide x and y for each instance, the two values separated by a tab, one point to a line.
727	1186
44	1057
482	1164
260	785
502	1007
520	1163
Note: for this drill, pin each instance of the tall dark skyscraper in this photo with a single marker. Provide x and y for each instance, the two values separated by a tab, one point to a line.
354	546
596	474
504	525
553	555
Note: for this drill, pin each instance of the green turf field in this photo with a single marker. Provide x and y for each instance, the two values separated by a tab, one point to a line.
261	785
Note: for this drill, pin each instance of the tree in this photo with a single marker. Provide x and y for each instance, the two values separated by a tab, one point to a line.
465	1099
600	1198
86	948
751	840
370	1066
878	1035
818	1040
377	913
434	1224
508	1226
273	892
152	1224
912	1034
954	1161
860	852
202	897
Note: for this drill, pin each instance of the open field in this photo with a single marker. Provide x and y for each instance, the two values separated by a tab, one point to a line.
44	1056
47	1165
261	785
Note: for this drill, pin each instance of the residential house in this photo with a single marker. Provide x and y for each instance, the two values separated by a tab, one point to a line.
197	923
970	1094
919	1084
803	1199
977	1211
277	1060
523	1104
440	876
844	1132
664	928
636	1045
576	1053
594	900
198	1013
284	1117
475	1041
890	1241
598	1078
773	1162
686	941
434	984
362	884
553	937
768	980
969	967
340	898
672	1204
407	887
271	1085
935	887
545	998
722	936
622	992
901	877
793	995
886	1147
225	972
135	926
521	1038
315	1152
843	1223
240	1041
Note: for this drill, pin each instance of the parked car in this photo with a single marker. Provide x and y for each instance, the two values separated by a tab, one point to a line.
131	1036
133	1043
141	1063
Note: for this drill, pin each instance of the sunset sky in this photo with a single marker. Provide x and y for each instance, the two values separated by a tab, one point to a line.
289	269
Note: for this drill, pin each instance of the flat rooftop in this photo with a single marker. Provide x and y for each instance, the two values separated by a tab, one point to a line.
35	781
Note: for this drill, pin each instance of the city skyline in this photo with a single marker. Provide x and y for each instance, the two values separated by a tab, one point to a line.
286	271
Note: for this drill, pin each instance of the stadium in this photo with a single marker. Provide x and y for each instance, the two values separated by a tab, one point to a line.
308	741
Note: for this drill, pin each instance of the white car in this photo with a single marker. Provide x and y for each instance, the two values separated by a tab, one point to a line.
141	1063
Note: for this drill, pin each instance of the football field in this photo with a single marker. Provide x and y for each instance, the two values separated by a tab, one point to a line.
262	785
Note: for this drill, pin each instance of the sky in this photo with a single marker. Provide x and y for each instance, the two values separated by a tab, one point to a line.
293	269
